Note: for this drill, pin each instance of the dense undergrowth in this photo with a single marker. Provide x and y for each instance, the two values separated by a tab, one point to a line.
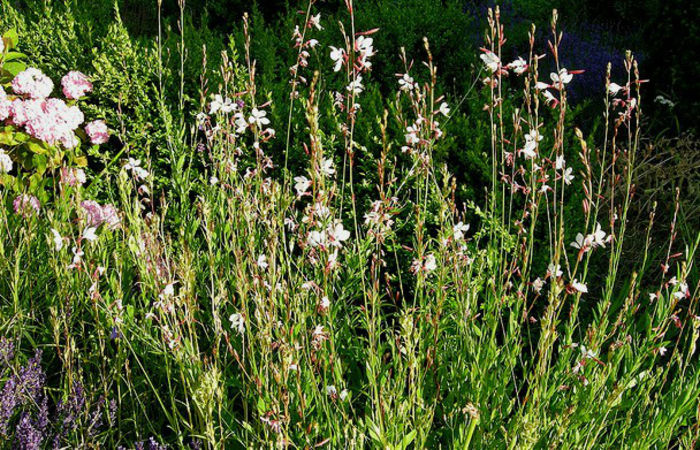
281	253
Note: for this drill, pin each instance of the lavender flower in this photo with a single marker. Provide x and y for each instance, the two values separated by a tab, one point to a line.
27	436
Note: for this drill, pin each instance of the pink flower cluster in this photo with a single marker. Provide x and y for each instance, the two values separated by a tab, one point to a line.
75	85
72	176
98	214
5	105
26	205
50	120
32	83
97	131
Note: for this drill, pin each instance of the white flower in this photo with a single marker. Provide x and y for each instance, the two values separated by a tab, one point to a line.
444	109
662	351
614	88
581	242
219	103
77	258
241	123
337	234
5	161
134	165
312	43
355	85
331	391
519	66
327	167
430	263
563	77
598	236
412	135
560	162
237	322
315	21
317	238
531	140
302	185
168	291
406	82
568	177
89	234
262	262
213	180
459	229
343	394
493	63
580	287
682	291
257	117
554	270
365	47
587	352
338	57
57	239
549	98
541	86
538	284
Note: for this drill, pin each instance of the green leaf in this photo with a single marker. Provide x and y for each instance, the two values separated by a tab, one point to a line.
8	138
39	162
406	441
36	146
11	39
14	67
11	56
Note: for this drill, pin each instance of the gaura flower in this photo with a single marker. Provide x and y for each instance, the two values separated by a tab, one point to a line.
493	62
302	185
563	77
327	167
338	57
580	287
237	322
258	118
519	66
89	234
315	21
57	239
459	229
406	82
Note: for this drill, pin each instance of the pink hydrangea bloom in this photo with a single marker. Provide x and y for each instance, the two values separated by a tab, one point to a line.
96	214
97	131
75	85
33	83
5	105
50	120
26	205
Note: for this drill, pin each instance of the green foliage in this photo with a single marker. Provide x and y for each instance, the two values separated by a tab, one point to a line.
329	292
